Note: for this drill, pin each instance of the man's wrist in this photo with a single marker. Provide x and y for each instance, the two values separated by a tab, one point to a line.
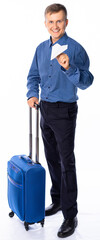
68	67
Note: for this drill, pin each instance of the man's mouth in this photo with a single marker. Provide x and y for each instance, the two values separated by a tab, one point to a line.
56	31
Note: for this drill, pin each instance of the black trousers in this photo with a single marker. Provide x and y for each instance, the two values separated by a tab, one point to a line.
58	122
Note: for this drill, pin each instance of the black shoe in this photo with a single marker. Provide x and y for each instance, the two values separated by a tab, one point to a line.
52	209
67	228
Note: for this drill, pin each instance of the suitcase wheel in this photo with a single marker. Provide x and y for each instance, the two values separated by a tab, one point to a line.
26	226
11	214
42	223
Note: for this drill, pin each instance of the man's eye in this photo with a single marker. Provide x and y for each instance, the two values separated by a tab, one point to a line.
50	21
59	21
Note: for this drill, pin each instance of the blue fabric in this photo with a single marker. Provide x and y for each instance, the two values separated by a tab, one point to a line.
16	187
26	189
56	83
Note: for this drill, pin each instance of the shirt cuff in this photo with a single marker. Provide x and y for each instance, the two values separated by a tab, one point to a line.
72	74
72	69
31	94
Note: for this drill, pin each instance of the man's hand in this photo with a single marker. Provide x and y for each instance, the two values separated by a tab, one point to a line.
63	60
31	102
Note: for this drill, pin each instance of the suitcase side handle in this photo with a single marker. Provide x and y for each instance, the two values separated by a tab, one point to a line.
37	133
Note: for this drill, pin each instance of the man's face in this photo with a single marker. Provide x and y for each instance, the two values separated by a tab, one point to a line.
56	24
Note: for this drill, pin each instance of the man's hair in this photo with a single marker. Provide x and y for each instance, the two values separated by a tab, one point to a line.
54	8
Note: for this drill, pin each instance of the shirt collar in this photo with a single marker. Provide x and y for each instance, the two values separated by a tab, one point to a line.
61	41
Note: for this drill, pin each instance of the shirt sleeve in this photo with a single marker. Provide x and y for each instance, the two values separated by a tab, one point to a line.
33	79
79	73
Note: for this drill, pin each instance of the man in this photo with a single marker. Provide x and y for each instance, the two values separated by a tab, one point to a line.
59	79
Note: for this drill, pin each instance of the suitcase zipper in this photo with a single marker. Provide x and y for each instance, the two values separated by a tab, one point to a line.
14	183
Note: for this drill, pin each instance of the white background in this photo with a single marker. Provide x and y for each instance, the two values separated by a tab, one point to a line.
21	30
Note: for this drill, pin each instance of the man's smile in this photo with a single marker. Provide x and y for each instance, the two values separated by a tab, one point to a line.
55	30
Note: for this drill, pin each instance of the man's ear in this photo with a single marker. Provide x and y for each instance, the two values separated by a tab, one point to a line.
45	23
66	22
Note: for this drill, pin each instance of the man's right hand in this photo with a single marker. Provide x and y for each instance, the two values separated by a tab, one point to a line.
31	102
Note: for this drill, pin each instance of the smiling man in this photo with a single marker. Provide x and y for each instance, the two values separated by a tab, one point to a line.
59	79
56	24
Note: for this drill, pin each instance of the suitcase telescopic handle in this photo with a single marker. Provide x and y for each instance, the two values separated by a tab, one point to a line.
37	133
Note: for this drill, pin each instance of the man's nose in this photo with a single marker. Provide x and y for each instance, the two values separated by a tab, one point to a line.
55	25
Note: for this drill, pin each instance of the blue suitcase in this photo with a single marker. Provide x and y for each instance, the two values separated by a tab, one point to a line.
26	184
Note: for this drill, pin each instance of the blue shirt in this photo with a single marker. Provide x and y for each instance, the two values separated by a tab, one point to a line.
56	83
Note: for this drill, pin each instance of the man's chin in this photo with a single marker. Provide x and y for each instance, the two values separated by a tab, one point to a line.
56	37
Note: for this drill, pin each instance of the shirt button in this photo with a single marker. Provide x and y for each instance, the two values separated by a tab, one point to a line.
49	76
46	97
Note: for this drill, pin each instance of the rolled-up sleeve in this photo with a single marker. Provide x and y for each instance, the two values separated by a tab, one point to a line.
79	73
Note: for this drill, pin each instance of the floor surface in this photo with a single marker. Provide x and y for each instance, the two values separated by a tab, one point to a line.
12	228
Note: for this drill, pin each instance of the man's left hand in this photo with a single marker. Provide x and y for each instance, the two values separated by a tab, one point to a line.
63	60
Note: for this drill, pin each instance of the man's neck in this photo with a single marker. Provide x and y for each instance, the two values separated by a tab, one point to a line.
53	40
